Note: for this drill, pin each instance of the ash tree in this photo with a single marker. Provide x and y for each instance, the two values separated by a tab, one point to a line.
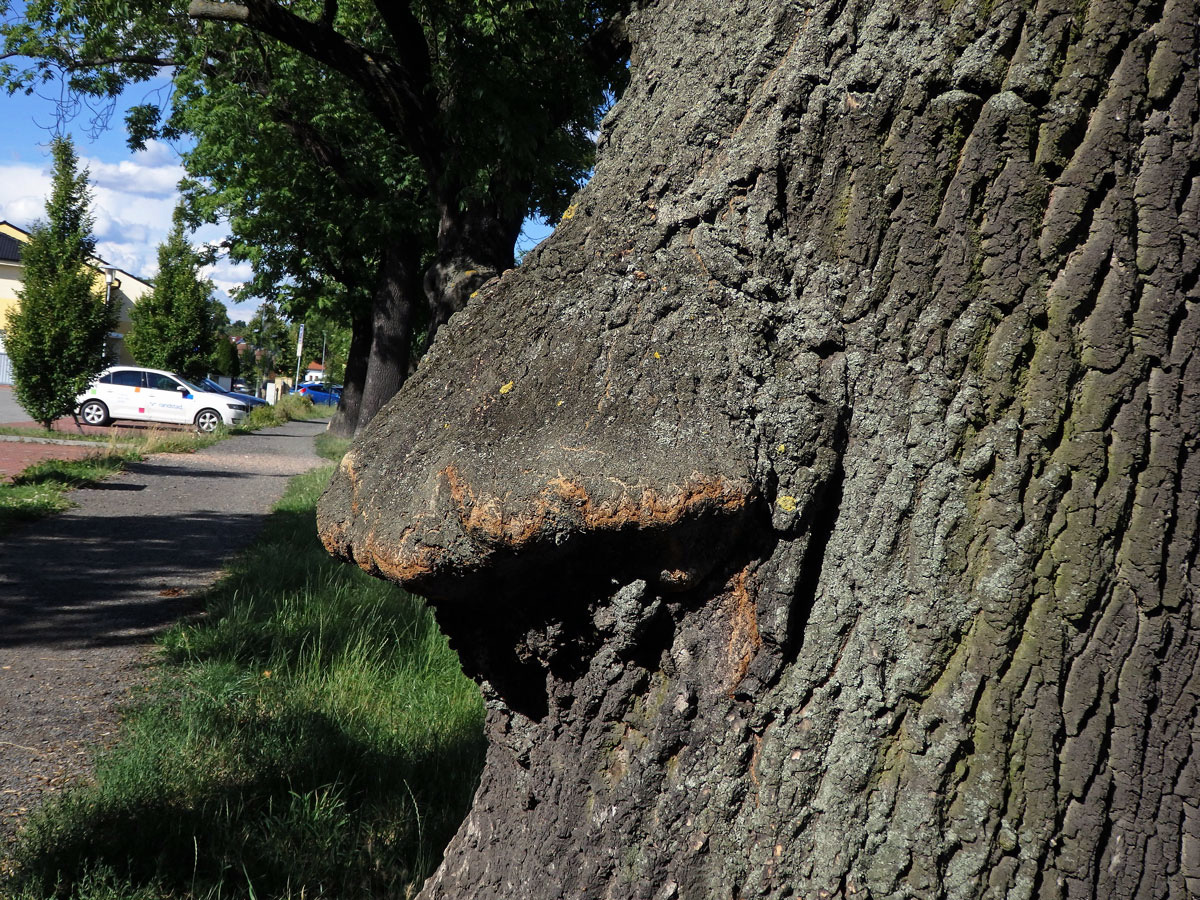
173	327
57	335
330	232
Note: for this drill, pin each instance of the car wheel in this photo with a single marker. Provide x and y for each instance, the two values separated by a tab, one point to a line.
94	412
207	420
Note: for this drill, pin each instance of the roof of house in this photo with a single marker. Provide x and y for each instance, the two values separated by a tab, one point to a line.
10	248
315	367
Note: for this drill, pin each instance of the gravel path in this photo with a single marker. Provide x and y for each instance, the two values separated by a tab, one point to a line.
82	594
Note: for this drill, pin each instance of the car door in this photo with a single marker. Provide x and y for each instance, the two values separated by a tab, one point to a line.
166	399
123	393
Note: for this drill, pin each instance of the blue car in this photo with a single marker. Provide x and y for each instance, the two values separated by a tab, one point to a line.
321	392
249	399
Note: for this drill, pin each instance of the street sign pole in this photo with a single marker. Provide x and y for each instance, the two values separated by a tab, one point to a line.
299	350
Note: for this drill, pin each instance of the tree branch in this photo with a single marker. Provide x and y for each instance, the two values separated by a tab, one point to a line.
400	95
134	59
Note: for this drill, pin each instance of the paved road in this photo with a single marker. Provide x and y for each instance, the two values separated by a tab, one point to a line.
82	594
10	409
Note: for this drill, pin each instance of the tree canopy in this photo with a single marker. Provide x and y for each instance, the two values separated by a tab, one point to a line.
173	327
342	138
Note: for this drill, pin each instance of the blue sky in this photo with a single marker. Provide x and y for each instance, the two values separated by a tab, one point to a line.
134	194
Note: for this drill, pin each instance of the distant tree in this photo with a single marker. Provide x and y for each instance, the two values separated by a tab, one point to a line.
267	333
56	335
224	359
173	328
477	112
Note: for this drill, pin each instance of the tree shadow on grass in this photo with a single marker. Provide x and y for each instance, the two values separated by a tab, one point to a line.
301	805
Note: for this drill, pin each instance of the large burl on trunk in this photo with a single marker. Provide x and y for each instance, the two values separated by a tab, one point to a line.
818	506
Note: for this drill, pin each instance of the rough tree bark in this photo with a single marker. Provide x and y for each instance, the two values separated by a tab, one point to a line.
396	295
345	420
818	507
474	244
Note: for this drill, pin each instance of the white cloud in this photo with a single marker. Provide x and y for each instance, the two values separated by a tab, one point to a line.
135	176
23	190
132	203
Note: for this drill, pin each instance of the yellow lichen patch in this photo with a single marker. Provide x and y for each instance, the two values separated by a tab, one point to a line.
505	388
787	503
569	212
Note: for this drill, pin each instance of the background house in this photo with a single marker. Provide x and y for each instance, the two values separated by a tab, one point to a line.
126	290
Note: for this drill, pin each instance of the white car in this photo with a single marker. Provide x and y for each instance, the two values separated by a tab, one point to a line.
151	395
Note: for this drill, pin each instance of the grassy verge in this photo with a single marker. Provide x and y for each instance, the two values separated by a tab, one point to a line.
18	431
311	736
40	490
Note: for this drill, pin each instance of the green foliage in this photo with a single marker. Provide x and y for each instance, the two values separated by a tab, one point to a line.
225	359
509	93
332	336
273	346
269	160
57	335
311	736
173	327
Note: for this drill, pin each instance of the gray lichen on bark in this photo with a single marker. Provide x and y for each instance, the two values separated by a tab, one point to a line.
818	506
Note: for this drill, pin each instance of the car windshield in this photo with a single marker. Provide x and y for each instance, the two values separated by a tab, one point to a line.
213	387
194	388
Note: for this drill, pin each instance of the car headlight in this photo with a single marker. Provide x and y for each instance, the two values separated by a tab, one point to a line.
238	407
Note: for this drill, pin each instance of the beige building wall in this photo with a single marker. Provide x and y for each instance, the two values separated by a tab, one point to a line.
127	290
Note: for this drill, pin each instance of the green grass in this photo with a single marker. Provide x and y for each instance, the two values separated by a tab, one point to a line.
331	447
40	490
310	736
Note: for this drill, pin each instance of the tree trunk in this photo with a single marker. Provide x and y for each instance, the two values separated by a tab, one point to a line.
399	288
346	418
818	506
474	244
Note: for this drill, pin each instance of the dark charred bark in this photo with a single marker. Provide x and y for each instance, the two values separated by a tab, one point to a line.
474	244
818	507
396	294
346	418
